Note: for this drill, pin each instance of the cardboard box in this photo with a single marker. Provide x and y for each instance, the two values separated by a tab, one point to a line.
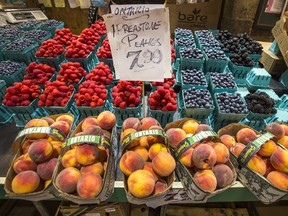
279	32
273	64
195	16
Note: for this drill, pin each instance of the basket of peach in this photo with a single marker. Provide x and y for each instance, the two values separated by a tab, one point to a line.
146	162
203	164
259	159
85	172
38	147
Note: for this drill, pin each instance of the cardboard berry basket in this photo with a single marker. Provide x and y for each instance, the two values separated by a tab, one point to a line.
194	191
76	140
45	189
133	139
256	183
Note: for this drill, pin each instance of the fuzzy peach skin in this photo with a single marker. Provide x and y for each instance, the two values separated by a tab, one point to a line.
67	179
284	141
95	168
148	122
175	136
131	123
62	126
228	140
155	149
276	129
245	135
160	187
237	149
141	183
130	162
206	180
142	151
86	154
186	158
40	150
222	153
190	126
67	118
285	128
45	170
148	167
279	160
89	185
204	156
69	160
267	149
25	182
106	120
36	123
163	164
89	121
257	165
24	163
278	179
223	174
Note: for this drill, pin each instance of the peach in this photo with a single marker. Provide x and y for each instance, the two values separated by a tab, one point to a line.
285	128
148	167
147	122
257	165
228	140
276	129
36	123
142	152
237	149
69	159
95	168
190	126
25	145
106	120
175	136
89	185
92	130
24	163
163	164
86	154
267	148
206	180
222	152
141	183
157	127
279	160
40	150
204	156
143	141
131	123
102	154
45	170
160	187
186	157
284	141
67	179
47	183
278	179
25	182
269	167
67	118
62	126
88	122
48	120
245	135
126	132
155	149
223	174
203	127
130	162
57	146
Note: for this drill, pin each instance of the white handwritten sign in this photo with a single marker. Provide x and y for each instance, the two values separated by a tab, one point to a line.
139	43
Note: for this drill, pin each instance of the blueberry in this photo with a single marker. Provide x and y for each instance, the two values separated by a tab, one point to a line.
180	32
215	54
193	77
35	34
51	23
227	103
185	42
8	68
29	24
197	98
223	80
19	45
191	53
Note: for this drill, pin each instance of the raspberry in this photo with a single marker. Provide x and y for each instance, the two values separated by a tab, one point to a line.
123	105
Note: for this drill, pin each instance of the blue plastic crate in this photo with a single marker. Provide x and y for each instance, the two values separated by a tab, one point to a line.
87	63
257	116
239	72
122	114
243	91
52	62
52	29
258	125
282	103
274	48
191	63
107	61
162	117
214	65
258	78
284	78
280	116
217	124
15	77
214	90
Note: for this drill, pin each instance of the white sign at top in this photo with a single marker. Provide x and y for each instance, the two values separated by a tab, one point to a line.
139	38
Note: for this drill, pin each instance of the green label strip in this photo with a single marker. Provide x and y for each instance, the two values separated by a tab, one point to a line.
58	134
252	148
130	137
99	140
190	141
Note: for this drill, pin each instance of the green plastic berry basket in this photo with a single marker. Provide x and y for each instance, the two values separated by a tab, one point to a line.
255	57
239	72
258	125
280	116
5	115
87	63
27	55
274	48
162	117
284	78
52	29
52	62
214	89
282	103
215	65
1	47
15	77
2	90
188	86
257	116
191	63
258	78
108	61
122	114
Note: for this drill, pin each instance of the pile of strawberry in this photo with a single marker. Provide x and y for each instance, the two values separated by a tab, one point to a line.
91	94
78	50
164	98
50	48
125	95
39	73
56	93
169	81
105	50
101	74
21	93
89	36
71	73
64	36
99	27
